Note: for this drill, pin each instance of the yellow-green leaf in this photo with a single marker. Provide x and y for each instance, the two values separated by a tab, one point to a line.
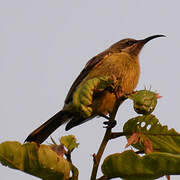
130	166
83	96
69	142
162	138
40	161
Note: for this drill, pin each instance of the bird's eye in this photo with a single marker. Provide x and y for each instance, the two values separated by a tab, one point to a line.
129	43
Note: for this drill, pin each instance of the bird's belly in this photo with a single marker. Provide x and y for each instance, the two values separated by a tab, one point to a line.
104	103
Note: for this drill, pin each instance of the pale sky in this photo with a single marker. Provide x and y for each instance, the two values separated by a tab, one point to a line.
44	44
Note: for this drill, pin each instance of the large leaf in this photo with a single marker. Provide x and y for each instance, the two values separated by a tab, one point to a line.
130	166
40	161
162	138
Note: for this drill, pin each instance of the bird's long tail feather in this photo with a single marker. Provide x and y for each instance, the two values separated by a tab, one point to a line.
41	133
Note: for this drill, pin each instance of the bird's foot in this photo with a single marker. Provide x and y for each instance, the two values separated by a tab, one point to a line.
110	124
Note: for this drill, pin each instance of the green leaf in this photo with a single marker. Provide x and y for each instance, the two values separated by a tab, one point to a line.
40	161
162	138
83	96
144	101
69	142
130	166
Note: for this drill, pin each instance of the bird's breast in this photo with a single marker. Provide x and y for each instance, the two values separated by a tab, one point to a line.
125	68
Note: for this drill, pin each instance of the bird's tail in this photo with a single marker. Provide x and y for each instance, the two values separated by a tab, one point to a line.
41	133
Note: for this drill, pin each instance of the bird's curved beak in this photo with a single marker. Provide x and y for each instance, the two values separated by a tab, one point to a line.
140	43
144	41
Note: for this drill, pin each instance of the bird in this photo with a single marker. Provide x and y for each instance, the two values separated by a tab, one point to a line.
120	60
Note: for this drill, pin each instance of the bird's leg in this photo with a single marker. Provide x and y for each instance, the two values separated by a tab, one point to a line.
120	97
112	122
118	92
109	124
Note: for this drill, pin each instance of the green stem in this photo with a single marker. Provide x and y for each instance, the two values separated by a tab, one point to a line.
74	170
104	142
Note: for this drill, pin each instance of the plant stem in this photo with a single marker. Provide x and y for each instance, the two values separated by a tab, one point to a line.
104	142
119	134
74	170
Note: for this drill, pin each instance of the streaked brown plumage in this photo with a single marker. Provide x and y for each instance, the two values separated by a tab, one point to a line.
121	61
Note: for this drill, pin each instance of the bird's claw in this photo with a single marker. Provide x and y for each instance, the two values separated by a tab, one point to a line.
110	124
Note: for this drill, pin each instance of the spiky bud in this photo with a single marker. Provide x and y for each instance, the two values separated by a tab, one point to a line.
144	101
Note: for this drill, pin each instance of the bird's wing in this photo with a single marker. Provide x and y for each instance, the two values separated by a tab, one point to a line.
88	67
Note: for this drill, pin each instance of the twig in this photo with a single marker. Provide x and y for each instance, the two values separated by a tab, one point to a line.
119	134
74	170
104	142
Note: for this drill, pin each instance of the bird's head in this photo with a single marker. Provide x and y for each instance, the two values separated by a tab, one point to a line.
132	46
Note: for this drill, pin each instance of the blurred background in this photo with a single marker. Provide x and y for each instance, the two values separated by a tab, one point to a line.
45	44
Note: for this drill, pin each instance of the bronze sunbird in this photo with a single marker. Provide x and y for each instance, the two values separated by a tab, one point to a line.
119	61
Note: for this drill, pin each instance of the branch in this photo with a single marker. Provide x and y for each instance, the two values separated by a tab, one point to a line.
97	158
119	134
